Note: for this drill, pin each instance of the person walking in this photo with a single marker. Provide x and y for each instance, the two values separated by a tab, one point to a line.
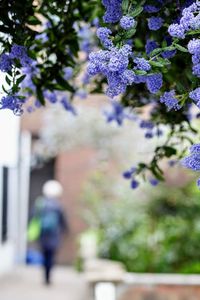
53	224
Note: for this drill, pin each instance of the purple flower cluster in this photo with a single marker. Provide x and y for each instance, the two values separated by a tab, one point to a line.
50	96
117	113
20	52
151	131
150	46
189	21
129	174
13	103
154	82
103	33
195	96
153	181
127	22
155	23
170	100
113	10
68	106
5	63
17	52
194	49
68	73
192	161
151	9
113	64
142	64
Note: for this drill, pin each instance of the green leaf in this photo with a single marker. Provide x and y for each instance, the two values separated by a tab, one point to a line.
137	11
155	51
156	64
125	5
40	96
8	80
20	79
169	151
181	48
129	33
140	72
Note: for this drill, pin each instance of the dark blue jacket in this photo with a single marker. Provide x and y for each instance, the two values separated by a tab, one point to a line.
50	239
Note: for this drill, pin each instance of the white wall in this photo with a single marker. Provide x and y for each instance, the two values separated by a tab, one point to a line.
15	155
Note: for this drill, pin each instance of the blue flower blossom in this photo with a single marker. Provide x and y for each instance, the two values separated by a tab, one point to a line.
146	124
5	63
153	181
113	10
51	96
192	161
127	22
170	100
117	113
113	64
68	106
103	33
151	9
195	96
155	23
154	82
142	64
149	135
134	183
68	73
150	46
12	102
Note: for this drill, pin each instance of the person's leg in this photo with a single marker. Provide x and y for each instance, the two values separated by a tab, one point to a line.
49	261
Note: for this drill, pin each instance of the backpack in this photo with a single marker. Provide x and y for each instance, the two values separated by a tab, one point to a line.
49	221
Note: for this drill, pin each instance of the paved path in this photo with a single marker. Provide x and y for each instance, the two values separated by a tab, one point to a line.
25	283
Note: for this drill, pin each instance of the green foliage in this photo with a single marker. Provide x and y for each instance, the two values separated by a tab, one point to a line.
160	234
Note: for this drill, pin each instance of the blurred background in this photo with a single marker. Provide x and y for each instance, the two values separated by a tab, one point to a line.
119	239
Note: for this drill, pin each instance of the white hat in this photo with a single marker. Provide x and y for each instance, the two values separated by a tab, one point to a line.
52	189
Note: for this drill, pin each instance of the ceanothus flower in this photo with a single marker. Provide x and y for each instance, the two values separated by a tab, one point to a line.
5	63
148	135
189	21
51	96
194	46
103	33
113	64
177	31
151	9
194	49
127	22
20	52
153	181
146	124
150	46
142	64
134	183
68	106
12	102
192	161
154	82
155	23
68	73
195	96
113	10
170	100
129	173
196	70
117	113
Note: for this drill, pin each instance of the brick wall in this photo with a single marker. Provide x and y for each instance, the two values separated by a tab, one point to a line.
162	292
72	170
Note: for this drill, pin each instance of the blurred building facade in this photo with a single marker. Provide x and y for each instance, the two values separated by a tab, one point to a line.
72	169
14	186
